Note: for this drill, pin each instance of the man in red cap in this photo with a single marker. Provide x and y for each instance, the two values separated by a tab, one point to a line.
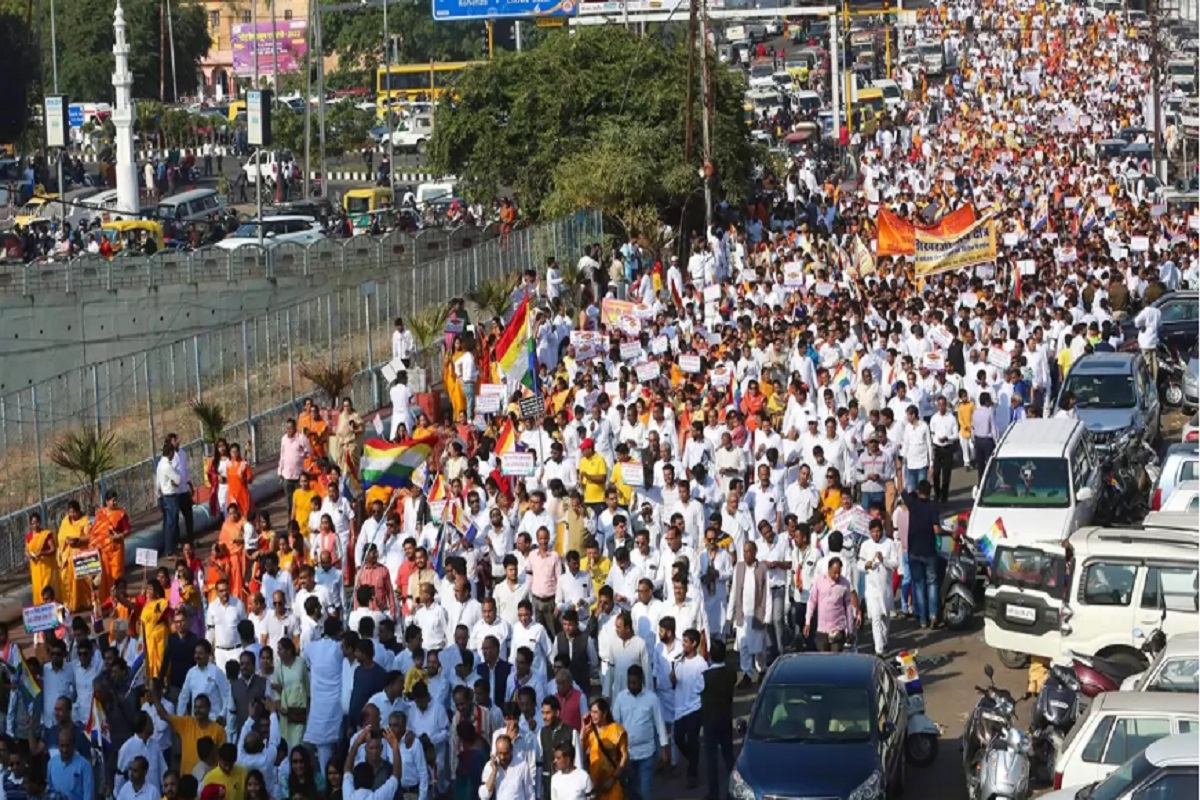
593	474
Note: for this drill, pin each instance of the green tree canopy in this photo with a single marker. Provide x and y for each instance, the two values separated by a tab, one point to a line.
18	65
85	41
594	119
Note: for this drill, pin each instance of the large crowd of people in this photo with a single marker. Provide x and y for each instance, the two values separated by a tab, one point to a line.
745	448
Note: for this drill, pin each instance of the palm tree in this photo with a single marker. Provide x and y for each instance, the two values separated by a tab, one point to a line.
492	296
331	379
213	422
88	454
427	325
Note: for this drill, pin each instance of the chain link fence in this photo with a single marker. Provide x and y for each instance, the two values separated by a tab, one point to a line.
253	369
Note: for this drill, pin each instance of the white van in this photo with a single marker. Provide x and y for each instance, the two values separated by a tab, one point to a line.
433	192
1040	484
196	205
1101	596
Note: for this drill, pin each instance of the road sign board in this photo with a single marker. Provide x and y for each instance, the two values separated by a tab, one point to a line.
458	10
75	116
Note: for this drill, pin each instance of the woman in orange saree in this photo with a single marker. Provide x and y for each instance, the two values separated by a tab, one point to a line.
237	478
216	569
607	748
317	430
233	539
109	528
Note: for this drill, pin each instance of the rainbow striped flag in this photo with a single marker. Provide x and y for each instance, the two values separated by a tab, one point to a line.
990	540
97	727
392	464
514	352
506	440
842	378
27	683
1041	213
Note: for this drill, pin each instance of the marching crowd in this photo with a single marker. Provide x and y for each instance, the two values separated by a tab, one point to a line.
743	449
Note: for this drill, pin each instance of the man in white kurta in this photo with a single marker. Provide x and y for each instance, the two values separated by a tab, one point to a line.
749	610
716	570
878	559
324	659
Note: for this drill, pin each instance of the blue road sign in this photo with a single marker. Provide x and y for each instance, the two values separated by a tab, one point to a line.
460	10
75	116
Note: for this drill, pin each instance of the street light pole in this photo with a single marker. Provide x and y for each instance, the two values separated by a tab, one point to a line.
308	34
705	118
171	44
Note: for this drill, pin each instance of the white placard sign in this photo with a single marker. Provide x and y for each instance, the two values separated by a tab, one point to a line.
630	350
720	377
647	371
933	362
632	473
659	345
1012	239
488	403
713	293
940	337
999	358
690	364
146	557
793	275
518	465
1139	244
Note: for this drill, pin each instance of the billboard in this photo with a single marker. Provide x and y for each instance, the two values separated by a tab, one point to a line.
289	40
458	10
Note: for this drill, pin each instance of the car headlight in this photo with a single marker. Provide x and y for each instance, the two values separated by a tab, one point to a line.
870	789
738	788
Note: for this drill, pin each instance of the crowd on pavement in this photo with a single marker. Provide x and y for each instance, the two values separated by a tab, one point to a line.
744	449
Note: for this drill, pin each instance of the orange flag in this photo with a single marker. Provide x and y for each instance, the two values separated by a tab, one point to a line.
898	237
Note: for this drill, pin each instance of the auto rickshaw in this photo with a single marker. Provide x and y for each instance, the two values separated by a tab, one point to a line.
128	234
361	204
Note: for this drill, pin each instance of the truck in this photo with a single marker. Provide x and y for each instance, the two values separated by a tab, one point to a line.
413	134
933	58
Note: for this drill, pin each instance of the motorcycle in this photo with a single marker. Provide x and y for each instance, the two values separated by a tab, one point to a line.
995	751
958	585
921	739
1055	712
1128	474
1171	366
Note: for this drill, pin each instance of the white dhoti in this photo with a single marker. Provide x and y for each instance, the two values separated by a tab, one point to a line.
751	641
752	647
883	558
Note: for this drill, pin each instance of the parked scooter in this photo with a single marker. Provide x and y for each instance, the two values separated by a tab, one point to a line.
1171	366
1054	714
958	585
921	739
995	750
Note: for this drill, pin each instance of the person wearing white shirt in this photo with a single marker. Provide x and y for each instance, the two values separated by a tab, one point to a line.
207	679
341	512
140	745
622	651
715	570
403	342
1147	322
137	786
221	619
943	432
639	712
510	592
623	577
687	681
414	773
491	624
569	782
878	559
372	531
358	778
505	778
575	590
87	666
916	448
401	398
167	481
531	634
432	619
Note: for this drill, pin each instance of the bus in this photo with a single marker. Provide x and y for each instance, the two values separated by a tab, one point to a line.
414	82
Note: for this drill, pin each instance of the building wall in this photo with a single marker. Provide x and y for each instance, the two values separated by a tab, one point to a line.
222	15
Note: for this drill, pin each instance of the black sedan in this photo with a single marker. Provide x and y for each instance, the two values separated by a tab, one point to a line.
827	725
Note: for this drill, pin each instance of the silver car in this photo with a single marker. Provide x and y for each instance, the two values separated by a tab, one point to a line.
1181	463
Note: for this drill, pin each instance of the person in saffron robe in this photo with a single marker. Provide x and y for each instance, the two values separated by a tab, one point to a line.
73	536
317	430
216	569
237	478
41	550
154	619
235	531
454	389
109	529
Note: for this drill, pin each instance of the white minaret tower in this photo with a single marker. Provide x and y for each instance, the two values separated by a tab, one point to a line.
123	117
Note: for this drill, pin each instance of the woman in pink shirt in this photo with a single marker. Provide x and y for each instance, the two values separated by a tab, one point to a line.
831	599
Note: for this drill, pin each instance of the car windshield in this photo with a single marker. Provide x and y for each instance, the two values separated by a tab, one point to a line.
1028	568
358	205
1095	390
812	714
1034	482
1180	674
1119	782
762	71
248	230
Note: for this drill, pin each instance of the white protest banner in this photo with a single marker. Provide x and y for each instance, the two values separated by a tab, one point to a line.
1027	266
647	371
1012	239
613	390
146	557
690	364
1065	255
823	288
1158	209
40	618
985	272
632	473
713	293
589	344
720	377
1070	202
659	345
933	362
518	465
999	358
793	275
1116	252
488	403
1139	244
940	337
1103	201
630	350
87	563
1194	221
969	300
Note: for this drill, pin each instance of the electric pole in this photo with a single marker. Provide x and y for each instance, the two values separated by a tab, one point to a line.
706	117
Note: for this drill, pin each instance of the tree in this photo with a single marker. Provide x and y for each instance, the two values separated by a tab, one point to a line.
331	379
357	38
213	420
595	119
85	42
87	453
18	65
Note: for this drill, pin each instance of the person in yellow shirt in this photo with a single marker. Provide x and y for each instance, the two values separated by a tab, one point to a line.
228	774
624	490
302	499
191	729
595	564
965	409
593	474
1064	361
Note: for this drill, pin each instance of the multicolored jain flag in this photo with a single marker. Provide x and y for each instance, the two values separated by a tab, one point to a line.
991	540
514	353
392	464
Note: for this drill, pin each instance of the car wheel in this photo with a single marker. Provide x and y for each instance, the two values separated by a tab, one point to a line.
1012	659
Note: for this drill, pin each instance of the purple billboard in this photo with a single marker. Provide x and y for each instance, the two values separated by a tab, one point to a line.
286	39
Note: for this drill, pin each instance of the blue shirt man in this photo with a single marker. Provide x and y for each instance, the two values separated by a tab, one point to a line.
68	771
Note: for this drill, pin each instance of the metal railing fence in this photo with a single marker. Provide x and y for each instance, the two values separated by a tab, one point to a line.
252	368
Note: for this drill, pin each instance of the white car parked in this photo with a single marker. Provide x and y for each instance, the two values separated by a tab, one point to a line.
276	230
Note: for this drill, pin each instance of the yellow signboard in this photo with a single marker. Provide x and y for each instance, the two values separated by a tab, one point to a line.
975	245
